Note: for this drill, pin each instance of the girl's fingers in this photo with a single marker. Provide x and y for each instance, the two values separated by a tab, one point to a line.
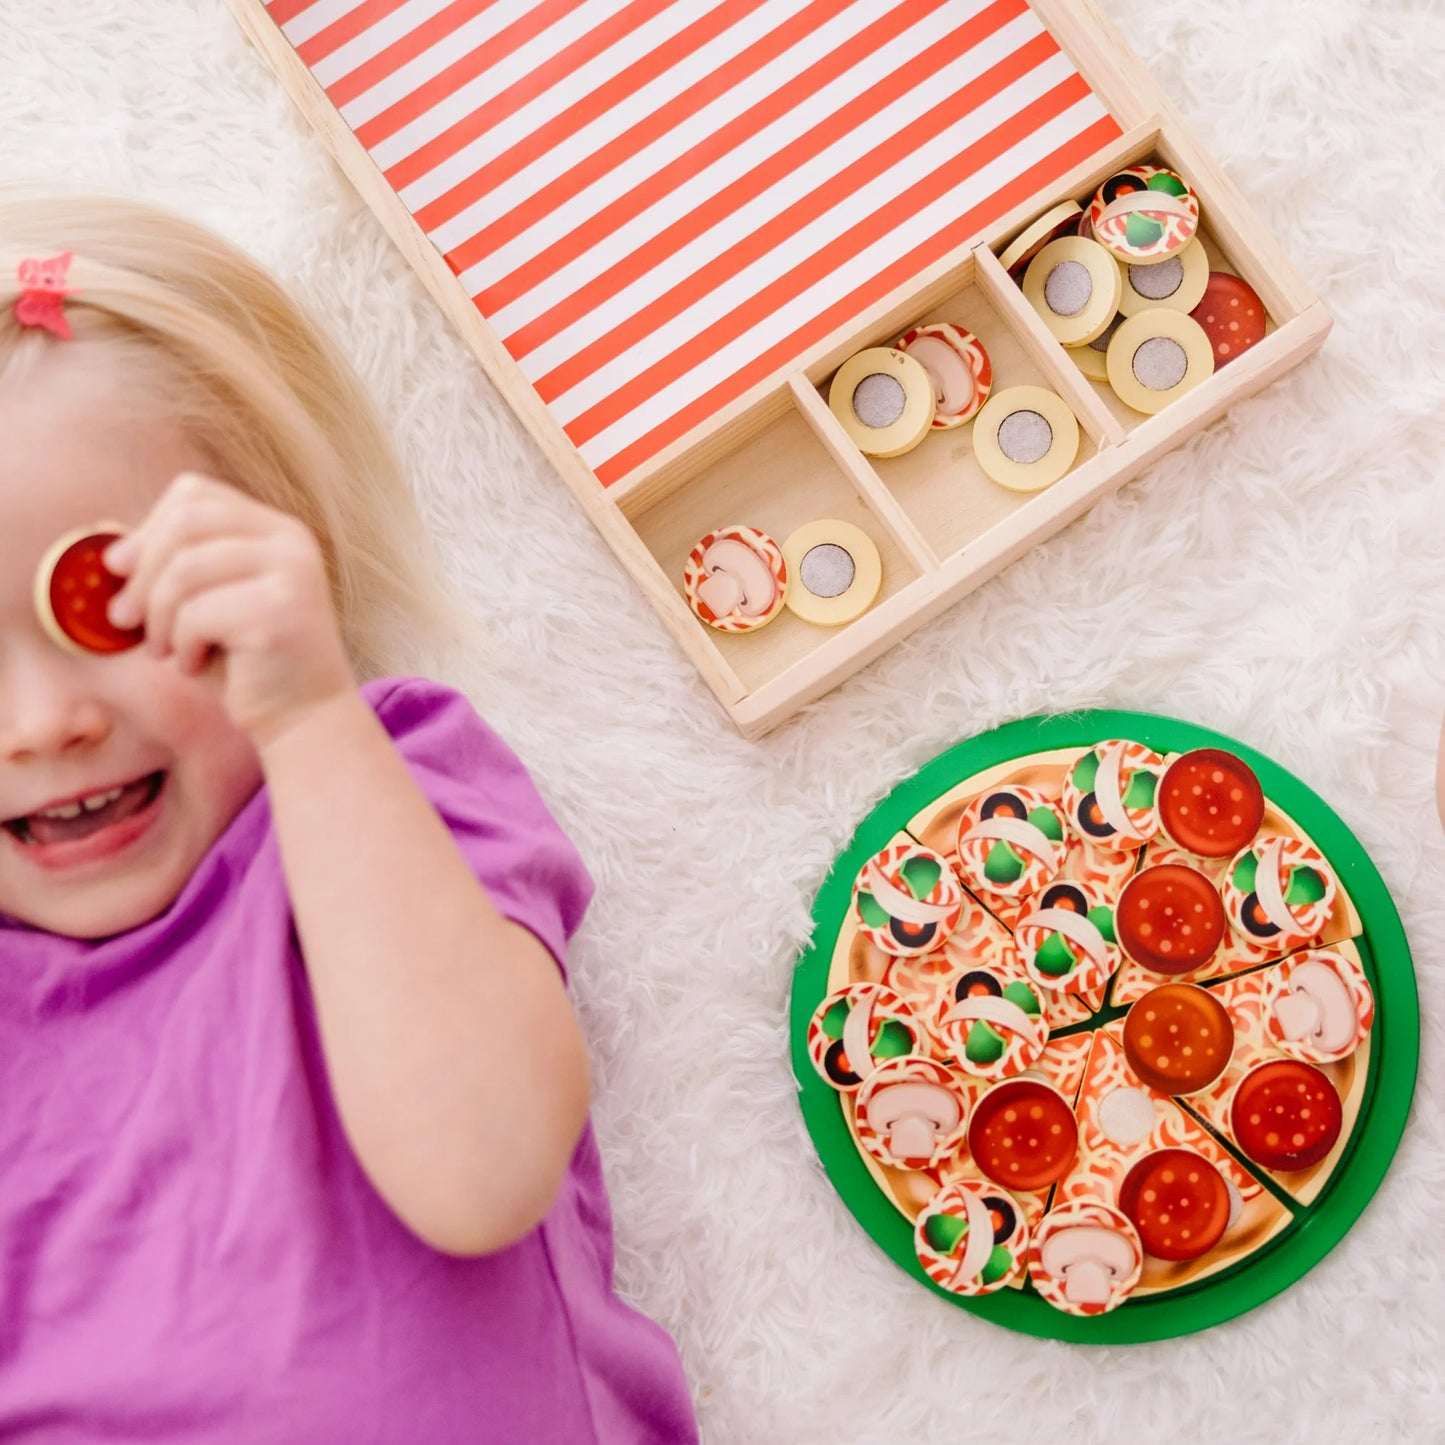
210	618
195	569
192	509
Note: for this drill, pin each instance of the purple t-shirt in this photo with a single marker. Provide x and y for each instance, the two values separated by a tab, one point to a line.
189	1250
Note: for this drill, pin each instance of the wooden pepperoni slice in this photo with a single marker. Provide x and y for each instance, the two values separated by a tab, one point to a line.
1023	1134
72	592
1178	1201
1170	918
1286	1115
1178	1038
1210	803
1231	314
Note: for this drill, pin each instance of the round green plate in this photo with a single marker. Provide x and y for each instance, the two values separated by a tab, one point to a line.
1389	1083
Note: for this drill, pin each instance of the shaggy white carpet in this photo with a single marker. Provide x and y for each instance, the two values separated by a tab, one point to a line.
1285	583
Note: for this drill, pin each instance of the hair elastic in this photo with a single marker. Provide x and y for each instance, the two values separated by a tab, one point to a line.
43	292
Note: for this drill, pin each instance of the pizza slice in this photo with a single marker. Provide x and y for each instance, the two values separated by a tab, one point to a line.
1013	823
1196	1209
1308	904
1292	1090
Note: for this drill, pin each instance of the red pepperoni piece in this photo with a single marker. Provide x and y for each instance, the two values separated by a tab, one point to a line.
1210	803
1232	315
1170	918
1178	1038
1178	1201
1286	1115
76	591
1023	1134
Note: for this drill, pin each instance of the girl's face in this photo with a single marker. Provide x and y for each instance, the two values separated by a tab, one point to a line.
77	450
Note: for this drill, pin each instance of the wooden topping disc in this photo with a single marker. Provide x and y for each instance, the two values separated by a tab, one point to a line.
1025	438
1170	918
73	589
1157	356
735	579
1074	285
1286	1115
1085	1258
835	572
868	1020
908	900
911	1113
957	365
971	1238
883	399
1060	220
1145	213
1093	359
1023	1134
1178	1038
1178	1201
1231	314
1178	283
1319	1007
1210	803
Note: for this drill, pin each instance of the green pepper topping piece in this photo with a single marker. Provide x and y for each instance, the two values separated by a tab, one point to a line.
1054	957
1140	792
1047	822
1085	771
894	1040
1141	230
921	875
1021	994
1002	865
944	1231
1305	886
998	1264
984	1045
873	913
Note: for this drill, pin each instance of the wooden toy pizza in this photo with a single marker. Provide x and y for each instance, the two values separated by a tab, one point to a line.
1108	1029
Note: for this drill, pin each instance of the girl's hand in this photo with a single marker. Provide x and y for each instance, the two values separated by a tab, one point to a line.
236	592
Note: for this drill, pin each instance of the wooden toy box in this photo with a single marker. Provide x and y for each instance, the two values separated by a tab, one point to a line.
758	445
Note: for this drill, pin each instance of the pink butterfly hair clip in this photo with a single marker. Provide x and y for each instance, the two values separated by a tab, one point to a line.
42	294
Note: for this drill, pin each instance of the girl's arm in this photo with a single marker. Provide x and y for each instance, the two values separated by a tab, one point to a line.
452	1051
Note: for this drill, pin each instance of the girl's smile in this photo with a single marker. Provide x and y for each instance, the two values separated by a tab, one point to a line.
89	827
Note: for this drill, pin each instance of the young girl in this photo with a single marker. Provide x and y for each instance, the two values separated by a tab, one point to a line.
292	1100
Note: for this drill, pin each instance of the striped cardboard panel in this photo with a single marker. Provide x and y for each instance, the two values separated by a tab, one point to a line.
659	204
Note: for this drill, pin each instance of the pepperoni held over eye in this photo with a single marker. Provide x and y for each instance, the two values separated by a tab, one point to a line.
73	590
1210	803
1170	919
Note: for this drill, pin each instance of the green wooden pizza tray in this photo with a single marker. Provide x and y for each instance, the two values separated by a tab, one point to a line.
1389	1085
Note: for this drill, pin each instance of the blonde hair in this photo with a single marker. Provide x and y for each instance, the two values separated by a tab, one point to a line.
255	383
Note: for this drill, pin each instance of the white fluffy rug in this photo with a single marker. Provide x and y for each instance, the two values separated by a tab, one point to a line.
1285	583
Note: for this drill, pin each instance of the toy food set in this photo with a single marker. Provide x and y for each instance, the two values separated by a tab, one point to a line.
924	276
1108	1029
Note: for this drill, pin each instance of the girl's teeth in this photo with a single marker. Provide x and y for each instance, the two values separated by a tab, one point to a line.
92	804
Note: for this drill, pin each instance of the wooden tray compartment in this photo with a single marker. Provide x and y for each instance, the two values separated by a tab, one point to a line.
791	470
1216	223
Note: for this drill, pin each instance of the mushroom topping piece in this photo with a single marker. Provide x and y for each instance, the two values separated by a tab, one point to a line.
1089	1259
1317	1007
913	1116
